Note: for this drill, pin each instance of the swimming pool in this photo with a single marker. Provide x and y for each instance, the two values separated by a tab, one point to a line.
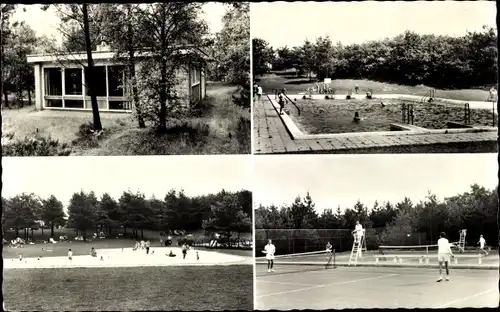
319	116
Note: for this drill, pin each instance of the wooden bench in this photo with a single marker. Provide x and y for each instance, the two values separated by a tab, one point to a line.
424	258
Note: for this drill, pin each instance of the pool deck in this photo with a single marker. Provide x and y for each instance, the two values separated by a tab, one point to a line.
271	136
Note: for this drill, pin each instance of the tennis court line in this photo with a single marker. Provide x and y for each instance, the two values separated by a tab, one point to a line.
286	283
466	298
327	285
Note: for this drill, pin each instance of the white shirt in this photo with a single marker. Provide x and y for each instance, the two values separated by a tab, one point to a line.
358	228
259	90
70	253
444	246
270	249
482	242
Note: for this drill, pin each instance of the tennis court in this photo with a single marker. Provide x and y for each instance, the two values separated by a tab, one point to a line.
309	284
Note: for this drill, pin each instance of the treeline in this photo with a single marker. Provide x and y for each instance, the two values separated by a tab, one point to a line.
411	59
18	41
402	223
226	212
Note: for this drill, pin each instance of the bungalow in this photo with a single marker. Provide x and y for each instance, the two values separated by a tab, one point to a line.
60	80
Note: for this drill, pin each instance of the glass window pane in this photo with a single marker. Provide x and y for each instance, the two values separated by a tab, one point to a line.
54	103
116	80
103	104
99	80
73	103
53	81
73	81
122	105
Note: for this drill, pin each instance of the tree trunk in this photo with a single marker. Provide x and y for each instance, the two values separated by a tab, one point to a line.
17	232
91	81
6	98
163	72
29	97
142	234
131	65
52	231
42	231
2	58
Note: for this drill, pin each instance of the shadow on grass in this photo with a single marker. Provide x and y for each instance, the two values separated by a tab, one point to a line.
299	81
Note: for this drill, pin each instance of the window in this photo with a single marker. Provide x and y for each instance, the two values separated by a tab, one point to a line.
73	81
73	103
54	103
195	75
99	80
116	75
53	81
117	105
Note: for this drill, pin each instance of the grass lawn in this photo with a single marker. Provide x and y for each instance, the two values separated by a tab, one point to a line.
141	288
216	129
294	84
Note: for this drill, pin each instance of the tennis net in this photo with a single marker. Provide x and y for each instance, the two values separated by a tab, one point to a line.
416	249
294	263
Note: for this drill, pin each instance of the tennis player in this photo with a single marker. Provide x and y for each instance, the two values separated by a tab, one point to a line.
329	248
269	250
444	254
482	245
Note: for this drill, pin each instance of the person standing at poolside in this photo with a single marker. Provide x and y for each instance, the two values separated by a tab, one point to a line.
259	92
282	100
148	244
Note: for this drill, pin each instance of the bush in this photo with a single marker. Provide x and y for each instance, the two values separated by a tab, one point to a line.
36	146
86	136
85	129
243	134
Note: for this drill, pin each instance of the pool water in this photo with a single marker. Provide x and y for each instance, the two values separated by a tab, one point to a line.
336	116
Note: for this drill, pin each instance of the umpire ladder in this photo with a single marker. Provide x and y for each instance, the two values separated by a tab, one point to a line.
358	247
461	242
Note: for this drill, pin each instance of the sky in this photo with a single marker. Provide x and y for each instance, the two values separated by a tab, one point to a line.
289	24
62	176
47	22
334	180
